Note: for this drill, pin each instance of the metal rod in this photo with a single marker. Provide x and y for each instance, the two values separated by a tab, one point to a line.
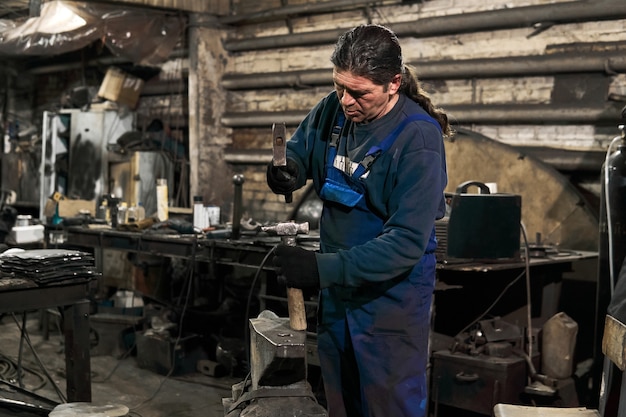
286	11
462	114
447	69
238	181
528	16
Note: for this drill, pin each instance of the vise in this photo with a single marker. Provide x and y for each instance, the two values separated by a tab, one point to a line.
278	384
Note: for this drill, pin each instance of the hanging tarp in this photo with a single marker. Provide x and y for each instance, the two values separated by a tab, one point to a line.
143	36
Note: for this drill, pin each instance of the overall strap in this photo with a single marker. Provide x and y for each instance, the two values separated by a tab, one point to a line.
336	132
376	150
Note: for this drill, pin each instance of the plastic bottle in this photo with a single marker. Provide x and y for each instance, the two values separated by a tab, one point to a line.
140	214
122	212
198	213
559	342
131	214
162	197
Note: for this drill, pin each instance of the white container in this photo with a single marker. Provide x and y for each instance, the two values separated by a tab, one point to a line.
198	213
23	220
122	213
212	215
162	197
27	234
558	345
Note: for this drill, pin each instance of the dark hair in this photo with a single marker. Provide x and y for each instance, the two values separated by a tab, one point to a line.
374	52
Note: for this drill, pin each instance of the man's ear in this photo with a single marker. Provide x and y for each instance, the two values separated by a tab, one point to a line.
395	84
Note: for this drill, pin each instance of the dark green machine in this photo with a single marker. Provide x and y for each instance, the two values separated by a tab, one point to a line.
484	226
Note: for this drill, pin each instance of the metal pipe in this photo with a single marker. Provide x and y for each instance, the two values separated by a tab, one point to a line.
462	114
564	160
97	62
446	69
283	12
248	156
527	16
294	79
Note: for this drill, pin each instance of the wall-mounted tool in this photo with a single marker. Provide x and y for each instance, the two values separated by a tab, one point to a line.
295	301
279	150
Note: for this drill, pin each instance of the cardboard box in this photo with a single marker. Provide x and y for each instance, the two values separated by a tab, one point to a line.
121	87
69	208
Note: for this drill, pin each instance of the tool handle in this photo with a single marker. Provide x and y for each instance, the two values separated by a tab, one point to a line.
295	305
288	198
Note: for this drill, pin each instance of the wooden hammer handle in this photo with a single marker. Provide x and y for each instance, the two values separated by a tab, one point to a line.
295	305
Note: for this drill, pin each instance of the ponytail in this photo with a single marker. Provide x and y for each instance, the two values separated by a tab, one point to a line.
412	88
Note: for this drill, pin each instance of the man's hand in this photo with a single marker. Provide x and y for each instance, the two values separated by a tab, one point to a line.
282	180
296	267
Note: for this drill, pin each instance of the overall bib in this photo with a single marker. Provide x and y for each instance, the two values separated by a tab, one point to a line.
373	339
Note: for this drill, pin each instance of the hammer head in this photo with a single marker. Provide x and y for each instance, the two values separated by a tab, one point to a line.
287	229
279	145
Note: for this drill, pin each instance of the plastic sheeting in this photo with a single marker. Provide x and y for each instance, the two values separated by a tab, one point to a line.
143	36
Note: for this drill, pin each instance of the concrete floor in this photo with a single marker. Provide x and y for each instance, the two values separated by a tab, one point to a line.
114	381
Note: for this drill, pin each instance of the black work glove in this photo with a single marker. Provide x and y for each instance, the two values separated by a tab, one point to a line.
282	180
296	267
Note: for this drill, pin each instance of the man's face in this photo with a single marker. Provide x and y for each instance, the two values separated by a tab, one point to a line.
362	100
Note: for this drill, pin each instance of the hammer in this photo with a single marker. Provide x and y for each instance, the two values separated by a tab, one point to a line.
279	150
295	301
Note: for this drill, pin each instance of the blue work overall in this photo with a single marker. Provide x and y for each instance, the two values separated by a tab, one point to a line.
373	339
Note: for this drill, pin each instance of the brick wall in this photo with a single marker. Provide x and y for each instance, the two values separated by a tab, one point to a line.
555	89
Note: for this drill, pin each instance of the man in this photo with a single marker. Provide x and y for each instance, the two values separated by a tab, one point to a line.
374	151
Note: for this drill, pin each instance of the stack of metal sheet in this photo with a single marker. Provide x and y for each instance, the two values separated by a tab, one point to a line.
48	266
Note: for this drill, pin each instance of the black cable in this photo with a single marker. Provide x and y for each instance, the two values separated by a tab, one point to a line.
10	370
20	349
39	362
509	285
246	330
180	330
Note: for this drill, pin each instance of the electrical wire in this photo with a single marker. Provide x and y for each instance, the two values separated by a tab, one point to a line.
11	371
525	273
608	213
38	359
246	330
529	325
493	304
189	285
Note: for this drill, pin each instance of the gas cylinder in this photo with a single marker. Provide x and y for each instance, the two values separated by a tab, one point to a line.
612	238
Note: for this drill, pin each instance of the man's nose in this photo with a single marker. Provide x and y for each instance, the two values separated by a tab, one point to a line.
347	99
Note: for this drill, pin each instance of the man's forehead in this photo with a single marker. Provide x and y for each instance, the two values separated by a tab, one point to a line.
348	79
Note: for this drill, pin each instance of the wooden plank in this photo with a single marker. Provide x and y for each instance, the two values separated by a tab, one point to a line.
614	341
509	410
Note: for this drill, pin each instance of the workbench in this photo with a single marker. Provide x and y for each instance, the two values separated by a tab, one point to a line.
463	289
484	279
472	286
72	297
249	253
